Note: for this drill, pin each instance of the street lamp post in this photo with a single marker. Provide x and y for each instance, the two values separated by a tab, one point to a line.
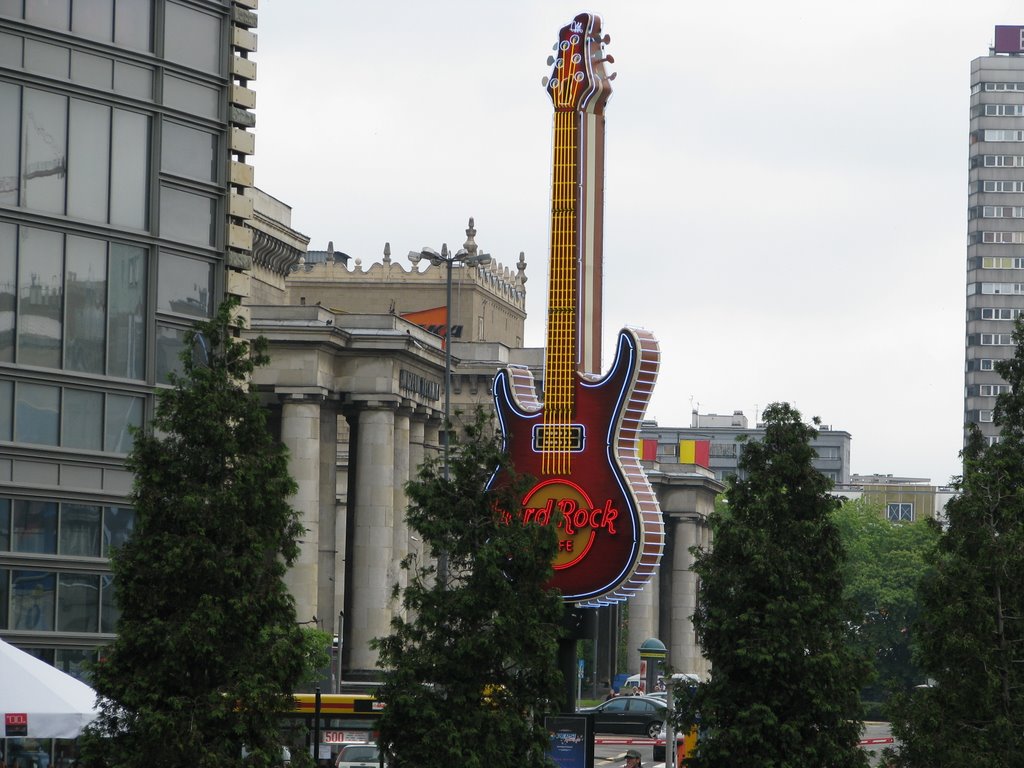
447	258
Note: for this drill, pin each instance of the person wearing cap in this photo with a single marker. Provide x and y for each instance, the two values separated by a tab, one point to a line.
632	758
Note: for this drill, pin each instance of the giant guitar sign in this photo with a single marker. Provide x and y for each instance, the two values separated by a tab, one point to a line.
581	441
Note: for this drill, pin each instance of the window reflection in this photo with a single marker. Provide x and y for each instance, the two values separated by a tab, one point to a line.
78	606
109	612
36	411
118	524
5	527
122	413
126	326
169	344
34	527
188	151
10	140
40	295
86	305
88	160
82	420
33	598
186	216
129	169
6	409
44	134
8	260
183	286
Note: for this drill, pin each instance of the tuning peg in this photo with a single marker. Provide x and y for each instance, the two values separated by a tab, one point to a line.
606	39
551	60
545	81
609	59
612	76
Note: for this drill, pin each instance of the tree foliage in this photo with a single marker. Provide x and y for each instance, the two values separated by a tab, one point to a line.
970	636
884	563
208	650
470	667
784	684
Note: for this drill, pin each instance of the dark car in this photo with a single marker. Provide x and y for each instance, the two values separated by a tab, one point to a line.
629	714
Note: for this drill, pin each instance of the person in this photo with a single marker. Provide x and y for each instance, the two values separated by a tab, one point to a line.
632	758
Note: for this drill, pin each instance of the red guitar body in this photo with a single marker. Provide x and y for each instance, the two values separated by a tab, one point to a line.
606	515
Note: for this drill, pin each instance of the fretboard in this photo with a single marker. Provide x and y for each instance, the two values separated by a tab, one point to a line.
561	350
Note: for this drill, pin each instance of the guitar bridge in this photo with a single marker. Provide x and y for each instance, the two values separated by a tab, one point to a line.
558	438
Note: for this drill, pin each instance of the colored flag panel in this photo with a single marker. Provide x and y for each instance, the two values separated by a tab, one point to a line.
695	452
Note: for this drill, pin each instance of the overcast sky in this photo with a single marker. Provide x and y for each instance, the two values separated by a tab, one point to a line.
785	202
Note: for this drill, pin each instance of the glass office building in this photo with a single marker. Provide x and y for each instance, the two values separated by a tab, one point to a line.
123	140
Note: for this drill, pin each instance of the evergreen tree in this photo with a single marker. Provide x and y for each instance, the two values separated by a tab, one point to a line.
783	691
208	650
969	639
470	670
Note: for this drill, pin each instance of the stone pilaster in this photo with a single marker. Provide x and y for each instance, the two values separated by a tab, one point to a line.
642	624
682	642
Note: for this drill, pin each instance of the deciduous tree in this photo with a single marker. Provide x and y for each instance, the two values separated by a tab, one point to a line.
207	650
783	691
884	564
470	666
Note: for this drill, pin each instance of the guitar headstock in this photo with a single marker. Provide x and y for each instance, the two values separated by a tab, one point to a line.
578	81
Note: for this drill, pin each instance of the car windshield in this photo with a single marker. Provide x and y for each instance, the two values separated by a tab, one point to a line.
354	754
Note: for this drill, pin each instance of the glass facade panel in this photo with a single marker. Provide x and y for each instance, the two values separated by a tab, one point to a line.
192	38
45	59
10	141
183	286
55	14
88	160
126	318
79	530
132	24
169	344
5	578
45	150
5	526
95	71
33	597
39	297
85	312
191	97
188	152
118	524
8	265
36	414
133	81
122	413
78	606
129	169
185	216
94	19
109	612
6	410
34	527
10	48
82	420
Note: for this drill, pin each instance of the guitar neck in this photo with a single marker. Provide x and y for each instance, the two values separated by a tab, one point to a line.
561	350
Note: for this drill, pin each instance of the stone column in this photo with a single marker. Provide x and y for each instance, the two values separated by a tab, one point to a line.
417	453
328	551
400	530
682	643
641	623
372	543
300	432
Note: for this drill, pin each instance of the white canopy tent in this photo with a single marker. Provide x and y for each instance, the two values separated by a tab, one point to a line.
38	700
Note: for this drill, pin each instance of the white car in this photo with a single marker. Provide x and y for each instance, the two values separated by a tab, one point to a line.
359	756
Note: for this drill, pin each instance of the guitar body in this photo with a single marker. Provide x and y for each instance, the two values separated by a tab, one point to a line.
606	516
581	443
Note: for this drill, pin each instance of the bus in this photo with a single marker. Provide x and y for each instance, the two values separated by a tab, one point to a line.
344	718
